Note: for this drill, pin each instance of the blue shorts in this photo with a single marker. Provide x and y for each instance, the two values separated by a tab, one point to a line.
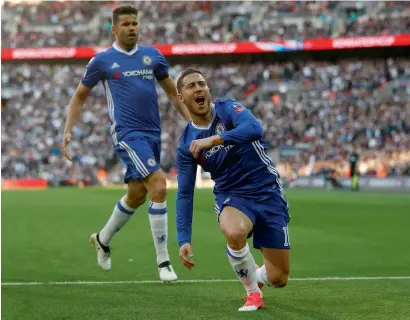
141	155
269	217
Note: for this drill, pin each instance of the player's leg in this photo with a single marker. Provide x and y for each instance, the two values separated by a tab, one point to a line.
236	226
123	209
355	182
272	236
275	271
156	184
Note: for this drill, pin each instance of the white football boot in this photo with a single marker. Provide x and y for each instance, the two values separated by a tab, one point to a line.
103	252
166	272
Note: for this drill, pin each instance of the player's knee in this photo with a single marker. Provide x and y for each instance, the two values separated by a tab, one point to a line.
279	280
134	200
236	237
159	191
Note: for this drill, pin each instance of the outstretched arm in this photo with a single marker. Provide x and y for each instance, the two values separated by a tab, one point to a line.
186	168
91	77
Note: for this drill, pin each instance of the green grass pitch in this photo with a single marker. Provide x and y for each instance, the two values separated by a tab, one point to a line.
333	234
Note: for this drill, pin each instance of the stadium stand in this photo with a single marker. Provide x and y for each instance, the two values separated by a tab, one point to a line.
54	24
335	106
313	111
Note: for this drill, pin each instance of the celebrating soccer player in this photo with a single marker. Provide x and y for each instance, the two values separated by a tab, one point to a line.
128	72
225	139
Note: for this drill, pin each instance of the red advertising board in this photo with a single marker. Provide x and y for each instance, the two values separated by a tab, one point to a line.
357	42
217	48
23	184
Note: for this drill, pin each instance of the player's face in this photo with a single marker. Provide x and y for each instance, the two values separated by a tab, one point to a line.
196	95
126	30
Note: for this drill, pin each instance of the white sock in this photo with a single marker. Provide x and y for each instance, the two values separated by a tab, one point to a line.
261	276
158	218
245	267
120	216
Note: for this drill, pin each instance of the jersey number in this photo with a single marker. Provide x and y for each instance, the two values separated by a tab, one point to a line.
286	233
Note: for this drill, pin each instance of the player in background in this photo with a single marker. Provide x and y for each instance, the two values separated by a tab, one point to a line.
354	159
225	139
128	72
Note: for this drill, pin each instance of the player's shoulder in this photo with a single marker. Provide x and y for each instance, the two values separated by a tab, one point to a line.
148	49
222	105
109	52
185	138
102	56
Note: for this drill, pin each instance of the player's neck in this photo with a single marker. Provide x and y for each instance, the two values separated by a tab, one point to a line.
202	121
123	47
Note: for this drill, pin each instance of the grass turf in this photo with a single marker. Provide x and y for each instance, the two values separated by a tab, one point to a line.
45	239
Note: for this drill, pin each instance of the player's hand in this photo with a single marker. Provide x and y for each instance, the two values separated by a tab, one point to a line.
186	255
64	146
203	144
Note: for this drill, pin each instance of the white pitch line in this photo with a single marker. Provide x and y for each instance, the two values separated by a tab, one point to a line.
193	281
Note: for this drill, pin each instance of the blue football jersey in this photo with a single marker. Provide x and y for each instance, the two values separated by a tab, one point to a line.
129	82
240	167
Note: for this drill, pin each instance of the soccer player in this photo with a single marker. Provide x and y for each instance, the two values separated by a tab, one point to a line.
128	72
225	139
354	159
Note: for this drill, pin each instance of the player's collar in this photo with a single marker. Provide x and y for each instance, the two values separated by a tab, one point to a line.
210	122
116	47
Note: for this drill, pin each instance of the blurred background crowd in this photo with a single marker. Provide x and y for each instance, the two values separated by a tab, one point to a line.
88	22
315	112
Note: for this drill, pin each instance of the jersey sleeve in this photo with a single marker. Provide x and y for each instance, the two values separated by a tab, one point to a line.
93	73
246	128
161	70
186	169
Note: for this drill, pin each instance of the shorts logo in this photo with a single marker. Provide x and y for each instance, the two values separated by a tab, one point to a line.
220	128
147	60
227	200
151	162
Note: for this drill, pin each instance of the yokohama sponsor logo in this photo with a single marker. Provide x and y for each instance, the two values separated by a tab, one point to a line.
360	42
206	48
46	53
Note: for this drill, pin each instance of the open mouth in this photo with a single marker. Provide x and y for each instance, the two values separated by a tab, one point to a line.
200	100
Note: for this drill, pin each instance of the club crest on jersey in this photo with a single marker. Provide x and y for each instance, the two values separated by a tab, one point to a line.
147	60
151	162
220	128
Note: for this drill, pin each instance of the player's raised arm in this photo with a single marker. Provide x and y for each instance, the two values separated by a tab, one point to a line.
90	79
246	127
170	89
166	82
186	168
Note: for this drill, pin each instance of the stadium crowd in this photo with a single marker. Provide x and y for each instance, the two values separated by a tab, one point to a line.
51	24
337	106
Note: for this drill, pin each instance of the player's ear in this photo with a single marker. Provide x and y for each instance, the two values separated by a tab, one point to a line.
180	97
113	29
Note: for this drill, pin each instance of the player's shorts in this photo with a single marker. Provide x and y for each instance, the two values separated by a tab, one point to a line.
269	217
141	155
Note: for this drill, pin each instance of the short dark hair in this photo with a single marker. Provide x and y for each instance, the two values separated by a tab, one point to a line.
184	74
119	11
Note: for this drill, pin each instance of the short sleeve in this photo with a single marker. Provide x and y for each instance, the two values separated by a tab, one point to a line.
161	70
93	73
